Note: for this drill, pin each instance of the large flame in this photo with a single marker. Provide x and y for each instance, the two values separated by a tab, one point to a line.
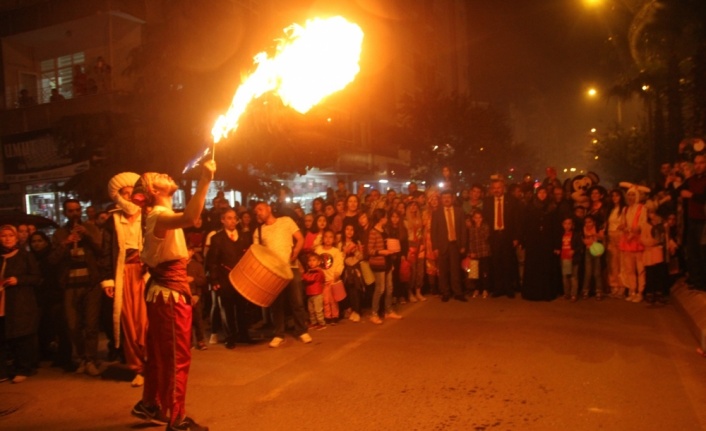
309	63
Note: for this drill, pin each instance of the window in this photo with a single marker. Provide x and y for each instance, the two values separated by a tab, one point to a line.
58	73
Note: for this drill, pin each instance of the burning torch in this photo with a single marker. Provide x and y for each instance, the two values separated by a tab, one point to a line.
310	62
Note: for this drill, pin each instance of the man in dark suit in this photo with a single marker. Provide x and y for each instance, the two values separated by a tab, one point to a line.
448	241
226	250
501	212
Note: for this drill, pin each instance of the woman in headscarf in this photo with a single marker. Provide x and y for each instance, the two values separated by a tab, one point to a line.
19	314
541	281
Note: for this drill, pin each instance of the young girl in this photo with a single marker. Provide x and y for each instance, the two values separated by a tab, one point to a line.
479	249
332	264
378	257
314	280
317	206
397	230
312	237
415	232
593	268
337	223
569	251
613	225
655	258
352	277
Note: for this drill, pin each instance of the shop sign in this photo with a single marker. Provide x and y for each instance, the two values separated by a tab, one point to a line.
35	156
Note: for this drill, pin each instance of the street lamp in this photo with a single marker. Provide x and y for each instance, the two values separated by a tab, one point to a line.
592	92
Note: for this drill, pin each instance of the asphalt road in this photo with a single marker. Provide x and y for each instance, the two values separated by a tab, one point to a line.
496	364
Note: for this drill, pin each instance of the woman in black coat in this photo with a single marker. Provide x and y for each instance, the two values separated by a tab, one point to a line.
53	333
541	281
19	314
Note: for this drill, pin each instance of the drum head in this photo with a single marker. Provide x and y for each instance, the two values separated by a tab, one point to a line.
271	261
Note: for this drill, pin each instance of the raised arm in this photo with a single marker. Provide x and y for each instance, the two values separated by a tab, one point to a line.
193	208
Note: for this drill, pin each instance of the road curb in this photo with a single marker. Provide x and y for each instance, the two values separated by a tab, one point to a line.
692	303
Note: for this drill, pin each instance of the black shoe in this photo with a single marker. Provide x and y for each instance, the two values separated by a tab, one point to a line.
445	298
460	298
230	344
246	340
149	413
186	424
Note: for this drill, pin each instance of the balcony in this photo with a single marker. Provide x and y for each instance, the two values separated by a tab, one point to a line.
52	13
45	115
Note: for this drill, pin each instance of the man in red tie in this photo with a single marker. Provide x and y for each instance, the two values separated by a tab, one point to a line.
502	214
227	248
448	241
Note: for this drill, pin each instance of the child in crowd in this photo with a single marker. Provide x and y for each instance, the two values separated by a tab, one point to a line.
479	249
352	277
397	230
570	254
332	264
314	280
655	258
196	276
593	267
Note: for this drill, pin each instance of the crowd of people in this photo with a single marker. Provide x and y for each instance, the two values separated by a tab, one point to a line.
354	256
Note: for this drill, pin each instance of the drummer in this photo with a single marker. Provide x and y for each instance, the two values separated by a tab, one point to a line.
283	237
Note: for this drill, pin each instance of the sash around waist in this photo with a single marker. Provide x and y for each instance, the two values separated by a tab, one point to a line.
171	275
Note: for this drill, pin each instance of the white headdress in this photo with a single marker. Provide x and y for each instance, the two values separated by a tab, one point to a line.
123	179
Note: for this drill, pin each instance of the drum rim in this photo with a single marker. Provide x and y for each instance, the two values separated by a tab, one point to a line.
283	269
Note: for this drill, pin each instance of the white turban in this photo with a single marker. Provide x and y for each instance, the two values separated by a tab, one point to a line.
124	179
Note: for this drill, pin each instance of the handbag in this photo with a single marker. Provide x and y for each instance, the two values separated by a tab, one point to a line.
405	271
378	263
338	290
367	272
473	269
631	243
412	254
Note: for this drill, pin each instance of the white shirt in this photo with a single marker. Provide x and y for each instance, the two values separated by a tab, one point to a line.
132	232
278	237
158	250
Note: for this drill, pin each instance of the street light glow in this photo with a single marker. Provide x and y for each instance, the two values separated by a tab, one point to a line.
592	3
592	92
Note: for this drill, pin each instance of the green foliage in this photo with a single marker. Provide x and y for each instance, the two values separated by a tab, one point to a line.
622	154
452	130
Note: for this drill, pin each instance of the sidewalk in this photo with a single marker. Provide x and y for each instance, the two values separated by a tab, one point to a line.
692	303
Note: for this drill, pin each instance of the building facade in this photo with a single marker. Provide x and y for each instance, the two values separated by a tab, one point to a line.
64	58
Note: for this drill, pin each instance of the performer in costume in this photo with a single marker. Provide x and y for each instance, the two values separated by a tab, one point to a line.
122	275
168	299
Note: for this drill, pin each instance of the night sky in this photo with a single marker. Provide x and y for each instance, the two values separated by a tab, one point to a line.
546	53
